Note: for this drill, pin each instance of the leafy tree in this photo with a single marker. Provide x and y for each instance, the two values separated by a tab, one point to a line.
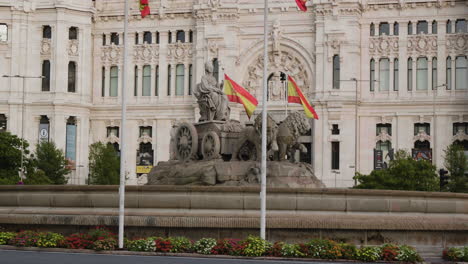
38	177
457	165
403	173
51	161
10	157
104	164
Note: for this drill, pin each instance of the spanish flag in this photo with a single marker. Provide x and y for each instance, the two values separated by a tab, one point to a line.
238	94
144	8
302	4
295	96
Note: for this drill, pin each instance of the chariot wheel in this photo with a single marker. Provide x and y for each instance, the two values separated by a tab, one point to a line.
186	141
210	146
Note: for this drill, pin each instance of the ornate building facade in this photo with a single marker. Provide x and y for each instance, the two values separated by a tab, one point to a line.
383	75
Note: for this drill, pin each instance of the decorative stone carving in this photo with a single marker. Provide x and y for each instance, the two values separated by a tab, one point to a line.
289	131
26	6
276	35
460	136
179	52
211	98
425	45
145	138
334	41
146	53
111	54
383	136
384	46
73	47
214	4
422	136
276	88
45	47
213	50
112	138
457	43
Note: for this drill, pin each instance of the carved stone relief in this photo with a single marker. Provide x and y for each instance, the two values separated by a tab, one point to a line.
45	47
383	136
384	46
73	47
111	54
145	138
112	138
457	44
422	45
180	52
145	53
422	136
334	42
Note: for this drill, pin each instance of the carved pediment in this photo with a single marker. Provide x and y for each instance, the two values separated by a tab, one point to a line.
422	136
460	136
112	138
145	138
383	136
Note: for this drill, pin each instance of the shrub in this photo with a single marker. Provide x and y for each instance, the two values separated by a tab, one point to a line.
5	237
180	244
291	250
408	254
276	248
226	246
324	249
105	244
25	239
147	245
101	233
163	245
78	241
204	245
389	252
348	251
49	240
368	254
254	246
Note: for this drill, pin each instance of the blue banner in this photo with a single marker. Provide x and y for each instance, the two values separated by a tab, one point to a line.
70	148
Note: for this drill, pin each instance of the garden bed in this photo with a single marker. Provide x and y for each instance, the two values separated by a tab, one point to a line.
102	240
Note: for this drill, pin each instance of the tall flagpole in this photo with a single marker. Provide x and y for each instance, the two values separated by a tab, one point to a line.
122	132
264	124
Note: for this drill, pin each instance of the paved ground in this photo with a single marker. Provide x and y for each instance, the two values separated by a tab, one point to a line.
30	257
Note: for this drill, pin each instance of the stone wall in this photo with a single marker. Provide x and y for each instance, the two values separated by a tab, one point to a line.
423	219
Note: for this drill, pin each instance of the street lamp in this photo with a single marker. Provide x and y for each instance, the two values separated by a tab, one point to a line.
21	172
434	118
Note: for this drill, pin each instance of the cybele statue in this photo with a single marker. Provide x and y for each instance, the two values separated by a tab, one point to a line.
220	151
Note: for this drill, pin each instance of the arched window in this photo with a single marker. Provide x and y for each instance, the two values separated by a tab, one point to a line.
103	81
410	74
146	80
396	29
422	27
147	37
180	79
44	126
434	73
384	28
372	75
156	88
71	77
410	28
216	68
169	37
191	36
336	72
386	148
70	141
461	73
180	36
137	38
434	27
114	79
169	77
73	33
103	39
46	32
135	81
460	26
448	27
448	72
190	79
421	74
384	76
396	78
372	29
157	37
46	76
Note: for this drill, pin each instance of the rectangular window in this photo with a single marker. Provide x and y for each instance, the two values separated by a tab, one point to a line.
336	72
71	77
461	73
448	73
460	127
383	128
422	127
434	73
396	29
146	130
115	38
422	27
410	74
169	77
3	32
335	129
135	81
113	131
335	158
114	79
372	75
147	37
396	78
384	78
460	26
190	80
103	82
146	80
384	28
46	76
73	33
421	74
180	79
156	89
70	146
46	32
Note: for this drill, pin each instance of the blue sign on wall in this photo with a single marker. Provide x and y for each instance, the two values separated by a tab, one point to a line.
70	148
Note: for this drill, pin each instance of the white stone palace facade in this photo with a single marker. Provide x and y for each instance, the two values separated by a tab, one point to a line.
382	75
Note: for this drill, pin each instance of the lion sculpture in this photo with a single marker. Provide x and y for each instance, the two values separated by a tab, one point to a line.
249	144
289	131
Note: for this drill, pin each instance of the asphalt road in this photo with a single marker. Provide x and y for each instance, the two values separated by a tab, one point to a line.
31	257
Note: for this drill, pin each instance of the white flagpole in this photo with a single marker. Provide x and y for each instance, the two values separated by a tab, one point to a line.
264	125
122	133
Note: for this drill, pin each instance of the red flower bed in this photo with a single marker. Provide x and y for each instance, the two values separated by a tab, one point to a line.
78	241
163	245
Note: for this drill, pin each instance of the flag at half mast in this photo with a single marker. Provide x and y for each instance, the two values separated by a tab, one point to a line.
144	8
238	94
296	96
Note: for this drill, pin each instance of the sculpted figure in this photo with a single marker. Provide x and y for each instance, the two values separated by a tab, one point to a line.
249	145
211	98
289	131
